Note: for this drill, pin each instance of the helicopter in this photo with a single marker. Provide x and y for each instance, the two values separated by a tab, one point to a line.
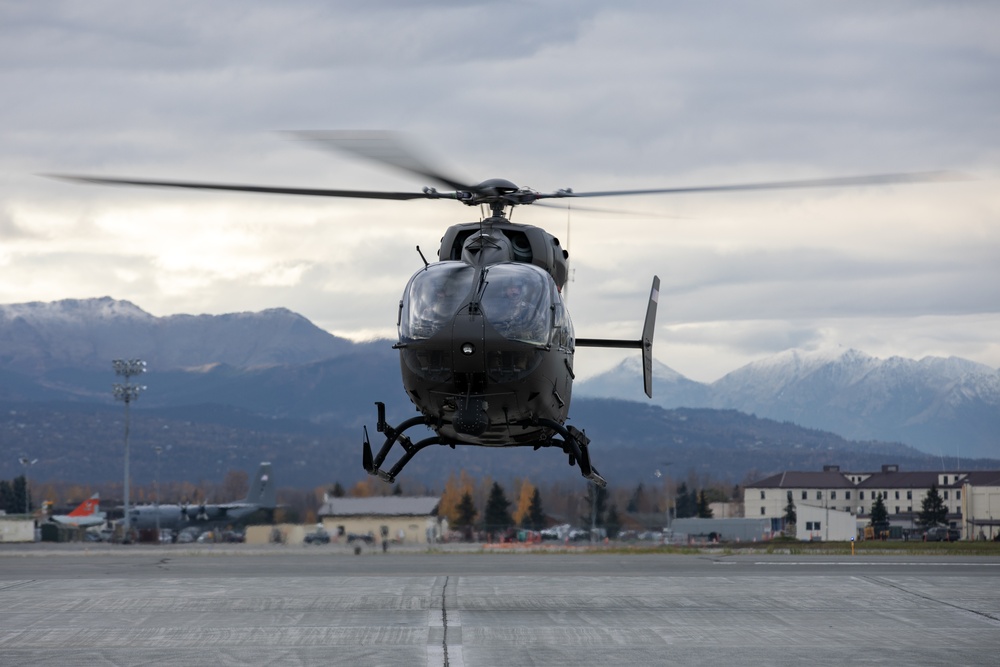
485	337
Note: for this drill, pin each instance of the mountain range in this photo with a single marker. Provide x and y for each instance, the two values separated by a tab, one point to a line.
948	407
228	391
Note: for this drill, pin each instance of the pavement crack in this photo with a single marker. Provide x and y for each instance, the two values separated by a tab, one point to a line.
444	621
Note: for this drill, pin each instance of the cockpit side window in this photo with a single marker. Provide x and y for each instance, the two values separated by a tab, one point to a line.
433	297
517	302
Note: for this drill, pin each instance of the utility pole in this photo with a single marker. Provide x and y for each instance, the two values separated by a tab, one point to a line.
127	392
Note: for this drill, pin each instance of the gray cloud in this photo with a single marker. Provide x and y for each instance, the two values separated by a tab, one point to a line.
585	95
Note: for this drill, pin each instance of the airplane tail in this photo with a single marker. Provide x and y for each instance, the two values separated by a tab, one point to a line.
88	507
262	490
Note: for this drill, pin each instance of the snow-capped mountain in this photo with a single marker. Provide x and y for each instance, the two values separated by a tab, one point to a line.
279	362
87	333
949	407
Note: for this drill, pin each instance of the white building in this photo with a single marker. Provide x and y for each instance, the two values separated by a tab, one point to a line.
902	493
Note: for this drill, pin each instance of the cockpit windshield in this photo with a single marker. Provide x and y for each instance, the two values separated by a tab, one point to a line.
433	297
517	301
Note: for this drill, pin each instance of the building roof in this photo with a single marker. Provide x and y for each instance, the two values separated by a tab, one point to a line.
381	506
890	477
918	479
794	479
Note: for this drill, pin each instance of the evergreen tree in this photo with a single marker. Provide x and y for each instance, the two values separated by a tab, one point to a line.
397	490
17	504
636	502
337	491
599	495
465	515
6	496
497	517
535	518
791	517
466	511
880	516
932	509
704	511
613	523
687	502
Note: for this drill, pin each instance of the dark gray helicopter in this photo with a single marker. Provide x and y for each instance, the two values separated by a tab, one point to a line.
486	342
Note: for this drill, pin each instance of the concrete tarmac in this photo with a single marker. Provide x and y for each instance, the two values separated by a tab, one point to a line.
241	605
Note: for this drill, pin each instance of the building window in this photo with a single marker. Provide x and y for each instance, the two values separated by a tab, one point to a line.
805	494
819	495
909	495
946	479
946	494
910	508
897	509
833	495
958	495
847	494
762	512
762	495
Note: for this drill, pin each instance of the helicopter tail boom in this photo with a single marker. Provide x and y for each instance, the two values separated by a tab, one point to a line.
645	343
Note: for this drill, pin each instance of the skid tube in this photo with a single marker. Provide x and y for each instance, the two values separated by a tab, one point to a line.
574	444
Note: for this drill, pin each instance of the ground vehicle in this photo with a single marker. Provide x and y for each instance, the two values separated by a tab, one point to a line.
941	534
319	536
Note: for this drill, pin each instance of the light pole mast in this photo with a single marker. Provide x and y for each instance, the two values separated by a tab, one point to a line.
127	392
26	462
157	449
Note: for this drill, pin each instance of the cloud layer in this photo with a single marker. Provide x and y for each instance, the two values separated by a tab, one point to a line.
549	95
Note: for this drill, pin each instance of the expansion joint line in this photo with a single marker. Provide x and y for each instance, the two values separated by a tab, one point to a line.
444	621
982	614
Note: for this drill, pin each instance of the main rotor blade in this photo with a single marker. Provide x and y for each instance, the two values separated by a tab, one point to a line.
608	211
877	179
384	147
312	192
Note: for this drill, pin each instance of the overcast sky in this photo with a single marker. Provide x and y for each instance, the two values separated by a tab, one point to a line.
549	95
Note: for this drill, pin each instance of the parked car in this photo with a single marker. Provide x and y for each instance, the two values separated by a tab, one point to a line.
941	534
320	536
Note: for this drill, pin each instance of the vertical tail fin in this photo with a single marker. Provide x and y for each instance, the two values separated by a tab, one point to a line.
262	490
648	329
88	507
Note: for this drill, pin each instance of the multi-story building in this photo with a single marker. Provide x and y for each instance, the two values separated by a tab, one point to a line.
972	498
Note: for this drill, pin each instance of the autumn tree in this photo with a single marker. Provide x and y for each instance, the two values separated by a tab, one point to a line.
528	491
235	485
454	491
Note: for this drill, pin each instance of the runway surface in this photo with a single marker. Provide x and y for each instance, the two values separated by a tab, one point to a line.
143	605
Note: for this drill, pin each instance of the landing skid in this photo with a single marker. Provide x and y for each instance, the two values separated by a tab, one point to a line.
574	444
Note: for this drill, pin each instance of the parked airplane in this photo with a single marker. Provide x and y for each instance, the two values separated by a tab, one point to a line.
86	514
205	516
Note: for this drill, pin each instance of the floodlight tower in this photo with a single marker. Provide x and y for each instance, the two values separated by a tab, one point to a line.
26	462
127	392
157	449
